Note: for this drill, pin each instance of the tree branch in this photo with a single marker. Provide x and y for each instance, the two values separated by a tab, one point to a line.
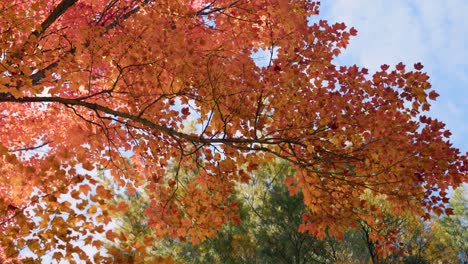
146	122
31	148
59	10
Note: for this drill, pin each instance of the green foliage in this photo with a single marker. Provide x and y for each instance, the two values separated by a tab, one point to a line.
456	225
268	231
415	260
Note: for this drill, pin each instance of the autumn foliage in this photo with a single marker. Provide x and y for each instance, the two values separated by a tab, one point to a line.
112	85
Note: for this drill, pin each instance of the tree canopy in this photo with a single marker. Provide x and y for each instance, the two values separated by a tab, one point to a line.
113	84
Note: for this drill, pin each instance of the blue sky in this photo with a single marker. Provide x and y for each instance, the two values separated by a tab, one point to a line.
432	32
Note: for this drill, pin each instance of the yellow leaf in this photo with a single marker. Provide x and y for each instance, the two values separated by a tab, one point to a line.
92	209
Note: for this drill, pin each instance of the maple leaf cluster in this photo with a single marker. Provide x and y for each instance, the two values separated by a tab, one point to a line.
92	84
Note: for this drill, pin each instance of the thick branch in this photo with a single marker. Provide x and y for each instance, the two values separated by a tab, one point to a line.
146	122
38	76
56	13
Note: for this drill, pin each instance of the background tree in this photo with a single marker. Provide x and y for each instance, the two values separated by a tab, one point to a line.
91	84
268	231
278	218
454	228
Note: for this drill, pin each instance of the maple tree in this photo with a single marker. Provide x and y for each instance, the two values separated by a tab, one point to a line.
89	84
